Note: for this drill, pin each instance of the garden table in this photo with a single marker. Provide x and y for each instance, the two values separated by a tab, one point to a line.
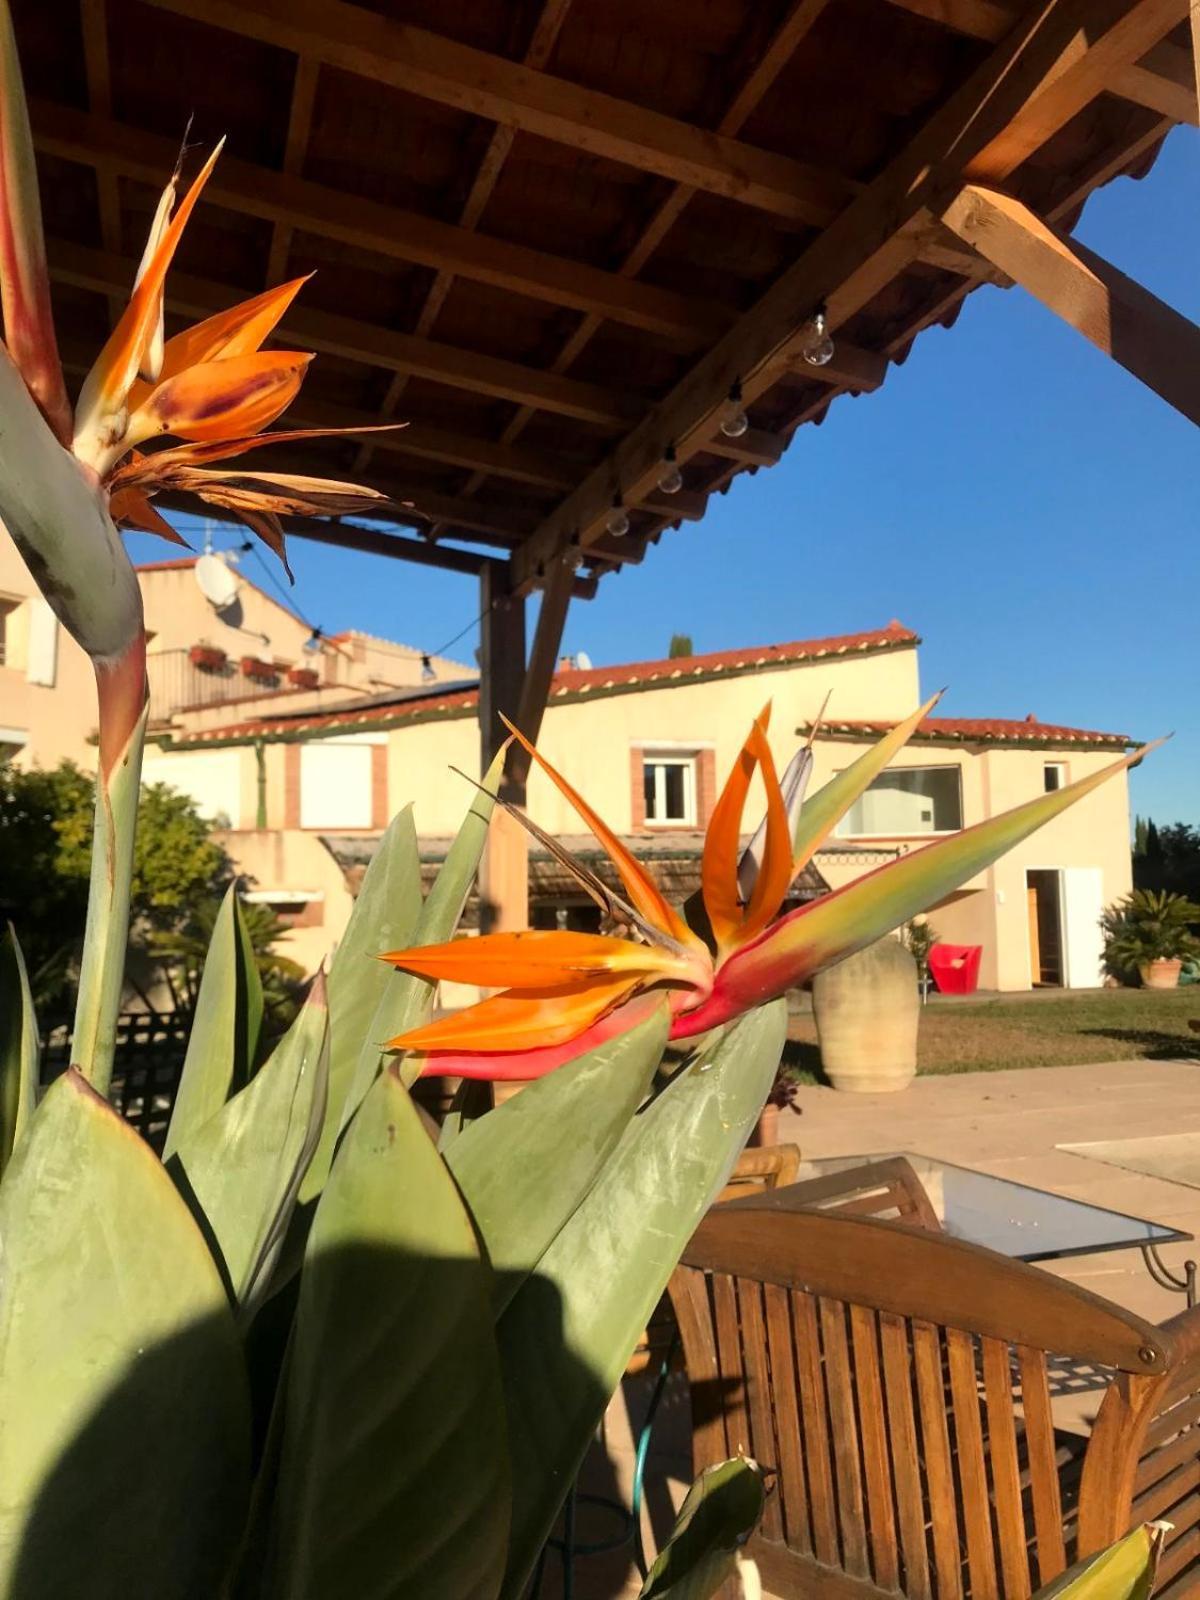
1016	1219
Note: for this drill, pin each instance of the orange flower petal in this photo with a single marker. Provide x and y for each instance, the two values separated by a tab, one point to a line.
643	892
719	864
240	331
775	873
130	508
533	960
99	414
542	1017
146	469
221	399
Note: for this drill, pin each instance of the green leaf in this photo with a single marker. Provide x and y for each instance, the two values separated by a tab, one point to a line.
568	1333
1125	1571
406	1000
224	1036
525	1167
720	1513
394	1473
19	1049
384	917
125	1443
241	1170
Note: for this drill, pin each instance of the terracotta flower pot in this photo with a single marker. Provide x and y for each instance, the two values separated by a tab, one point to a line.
867	1009
258	671
303	678
766	1131
1160	974
207	657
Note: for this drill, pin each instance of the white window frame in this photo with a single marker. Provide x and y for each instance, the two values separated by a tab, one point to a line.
843	831
1063	774
671	757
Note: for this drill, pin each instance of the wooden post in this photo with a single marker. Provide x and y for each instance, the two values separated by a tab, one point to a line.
1145	335
504	871
543	657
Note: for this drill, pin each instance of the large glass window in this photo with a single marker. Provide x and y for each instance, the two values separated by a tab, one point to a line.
908	800
669	784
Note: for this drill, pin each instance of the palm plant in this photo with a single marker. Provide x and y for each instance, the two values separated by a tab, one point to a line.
1148	925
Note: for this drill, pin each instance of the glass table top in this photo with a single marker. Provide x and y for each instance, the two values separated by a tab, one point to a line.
1012	1218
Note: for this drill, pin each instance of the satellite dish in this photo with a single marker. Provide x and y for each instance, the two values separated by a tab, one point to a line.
217	584
583	661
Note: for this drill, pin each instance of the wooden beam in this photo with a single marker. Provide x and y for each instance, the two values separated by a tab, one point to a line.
1125	321
285	199
850	368
1161	80
541	45
374	542
367	342
539	673
94	20
504	869
1036	78
304	89
437	68
1194	14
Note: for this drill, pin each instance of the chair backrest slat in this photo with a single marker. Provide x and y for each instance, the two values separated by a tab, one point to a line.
1006	1469
690	1298
731	1367
939	1469
790	1485
1043	1465
910	1504
839	1387
877	1466
816	1429
763	1446
972	1466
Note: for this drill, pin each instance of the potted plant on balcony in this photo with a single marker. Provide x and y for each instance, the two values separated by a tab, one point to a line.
303	678
1150	932
207	657
260	671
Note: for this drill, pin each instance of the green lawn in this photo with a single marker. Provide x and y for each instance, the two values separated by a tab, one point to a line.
1058	1030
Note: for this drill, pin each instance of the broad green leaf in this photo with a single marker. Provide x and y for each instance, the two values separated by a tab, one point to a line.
822	812
126	1433
1124	1571
569	1331
106	932
393	1473
19	1049
405	1001
224	1036
242	1169
524	1168
384	918
720	1513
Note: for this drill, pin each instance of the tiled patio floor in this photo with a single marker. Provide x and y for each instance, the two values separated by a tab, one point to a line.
1006	1123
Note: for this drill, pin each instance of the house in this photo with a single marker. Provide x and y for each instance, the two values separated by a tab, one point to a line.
248	649
308	788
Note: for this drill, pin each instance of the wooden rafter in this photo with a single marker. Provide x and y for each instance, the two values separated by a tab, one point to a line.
1162	80
1030	85
779	51
94	19
304	89
541	46
452	74
1125	321
539	672
287	199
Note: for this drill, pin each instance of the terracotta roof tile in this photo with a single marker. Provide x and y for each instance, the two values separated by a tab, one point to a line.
986	730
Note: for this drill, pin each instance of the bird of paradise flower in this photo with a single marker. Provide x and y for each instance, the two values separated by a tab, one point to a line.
565	992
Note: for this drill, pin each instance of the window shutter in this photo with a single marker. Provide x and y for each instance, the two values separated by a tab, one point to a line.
41	661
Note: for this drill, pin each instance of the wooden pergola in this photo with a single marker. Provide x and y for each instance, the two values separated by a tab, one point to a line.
568	240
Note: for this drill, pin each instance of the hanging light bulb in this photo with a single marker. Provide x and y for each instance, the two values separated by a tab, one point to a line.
670	479
818	352
617	521
428	675
573	555
734	420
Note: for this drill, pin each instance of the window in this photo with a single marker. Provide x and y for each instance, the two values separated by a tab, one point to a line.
1055	775
335	784
669	785
909	800
7	607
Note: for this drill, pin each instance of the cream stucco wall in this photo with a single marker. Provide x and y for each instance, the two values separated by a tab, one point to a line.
51	721
296	862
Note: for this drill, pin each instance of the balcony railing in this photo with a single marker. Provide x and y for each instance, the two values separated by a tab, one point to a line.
176	681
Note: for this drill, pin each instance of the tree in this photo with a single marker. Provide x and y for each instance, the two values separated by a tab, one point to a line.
1167	858
681	645
45	844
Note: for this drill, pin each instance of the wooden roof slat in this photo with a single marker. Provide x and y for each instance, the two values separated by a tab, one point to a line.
283	198
439	69
1033	82
779	51
304	91
1161	80
94	20
366	342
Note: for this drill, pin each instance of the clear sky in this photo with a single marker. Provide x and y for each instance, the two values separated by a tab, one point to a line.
1022	502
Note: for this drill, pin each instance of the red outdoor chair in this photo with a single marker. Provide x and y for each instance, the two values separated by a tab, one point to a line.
955	967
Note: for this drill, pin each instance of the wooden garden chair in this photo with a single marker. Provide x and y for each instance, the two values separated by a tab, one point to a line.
888	1188
898	1382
